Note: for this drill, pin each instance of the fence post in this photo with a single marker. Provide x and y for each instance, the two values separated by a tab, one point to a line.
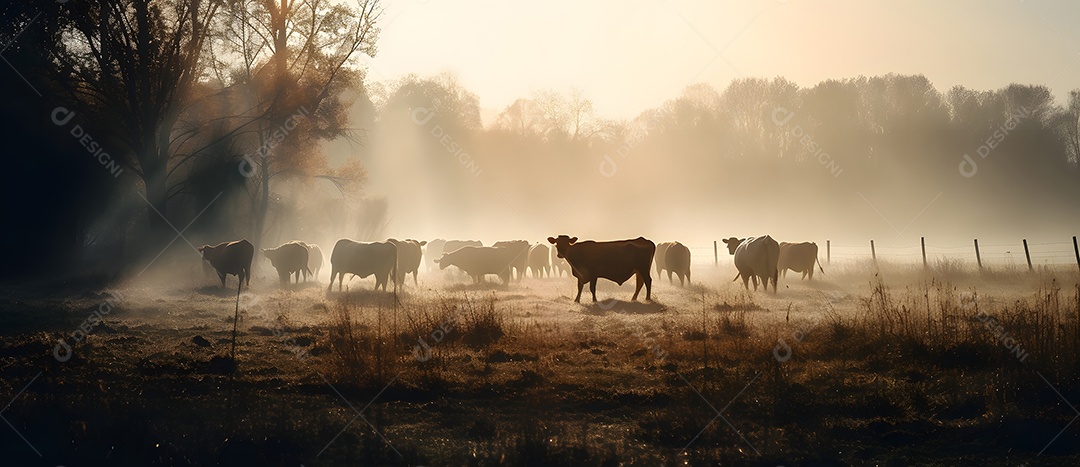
1027	254
873	252
1076	251
828	252
715	254
922	240
978	257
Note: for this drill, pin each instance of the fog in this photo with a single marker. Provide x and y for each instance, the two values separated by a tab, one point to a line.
609	138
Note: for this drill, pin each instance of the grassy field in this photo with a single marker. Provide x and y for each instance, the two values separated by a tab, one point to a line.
896	366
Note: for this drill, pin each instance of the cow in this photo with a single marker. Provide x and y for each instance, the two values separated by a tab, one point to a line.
362	259
433	252
798	257
661	257
615	261
478	261
755	258
408	261
520	258
230	258
558	265
539	262
315	259
289	258
677	261
452	245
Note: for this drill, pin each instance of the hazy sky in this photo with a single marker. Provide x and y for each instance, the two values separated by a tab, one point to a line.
631	55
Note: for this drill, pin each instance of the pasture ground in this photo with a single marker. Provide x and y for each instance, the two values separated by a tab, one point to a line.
859	367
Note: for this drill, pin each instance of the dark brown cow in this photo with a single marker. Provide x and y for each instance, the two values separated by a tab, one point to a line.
362	259
520	258
230	258
558	265
539	263
289	258
677	260
616	261
478	261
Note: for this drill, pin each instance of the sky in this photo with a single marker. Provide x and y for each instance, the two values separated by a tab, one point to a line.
628	56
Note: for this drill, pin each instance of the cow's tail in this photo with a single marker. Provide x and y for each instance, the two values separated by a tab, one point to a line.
737	276
818	260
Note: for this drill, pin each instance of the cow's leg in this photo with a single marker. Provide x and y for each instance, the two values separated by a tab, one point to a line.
648	287
811	276
592	288
754	280
638	282
222	277
580	284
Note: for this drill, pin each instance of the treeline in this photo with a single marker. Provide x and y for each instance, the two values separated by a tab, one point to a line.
139	119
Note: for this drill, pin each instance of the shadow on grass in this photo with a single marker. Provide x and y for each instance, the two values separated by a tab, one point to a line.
480	287
612	305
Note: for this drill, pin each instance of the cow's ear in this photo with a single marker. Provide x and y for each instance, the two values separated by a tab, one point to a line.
423	242
573	240
724	240
551	240
202	248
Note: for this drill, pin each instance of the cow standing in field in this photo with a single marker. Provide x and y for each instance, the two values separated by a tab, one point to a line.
315	259
558	265
798	257
661	257
616	261
289	258
230	258
520	259
677	260
362	259
755	258
409	256
538	260
434	251
478	261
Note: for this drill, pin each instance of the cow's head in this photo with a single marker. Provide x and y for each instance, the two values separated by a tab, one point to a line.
442	262
206	251
733	243
562	244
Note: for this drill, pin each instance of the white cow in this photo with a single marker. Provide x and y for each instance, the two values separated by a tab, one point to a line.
755	258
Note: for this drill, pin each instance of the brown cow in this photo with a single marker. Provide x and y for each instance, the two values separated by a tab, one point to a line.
409	256
677	261
230	258
289	258
478	261
538	260
755	258
615	261
798	257
520	258
362	259
558	265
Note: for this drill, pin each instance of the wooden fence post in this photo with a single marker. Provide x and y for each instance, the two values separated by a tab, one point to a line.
922	240
1027	254
828	252
978	257
873	252
715	254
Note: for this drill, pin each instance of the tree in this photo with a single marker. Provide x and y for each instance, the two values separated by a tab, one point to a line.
293	60
132	65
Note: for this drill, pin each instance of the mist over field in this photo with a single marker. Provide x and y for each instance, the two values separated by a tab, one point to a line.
160	151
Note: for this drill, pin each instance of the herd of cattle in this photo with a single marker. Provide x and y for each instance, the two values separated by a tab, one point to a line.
756	258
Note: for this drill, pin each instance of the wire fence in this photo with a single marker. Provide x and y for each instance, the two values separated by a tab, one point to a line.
1002	254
